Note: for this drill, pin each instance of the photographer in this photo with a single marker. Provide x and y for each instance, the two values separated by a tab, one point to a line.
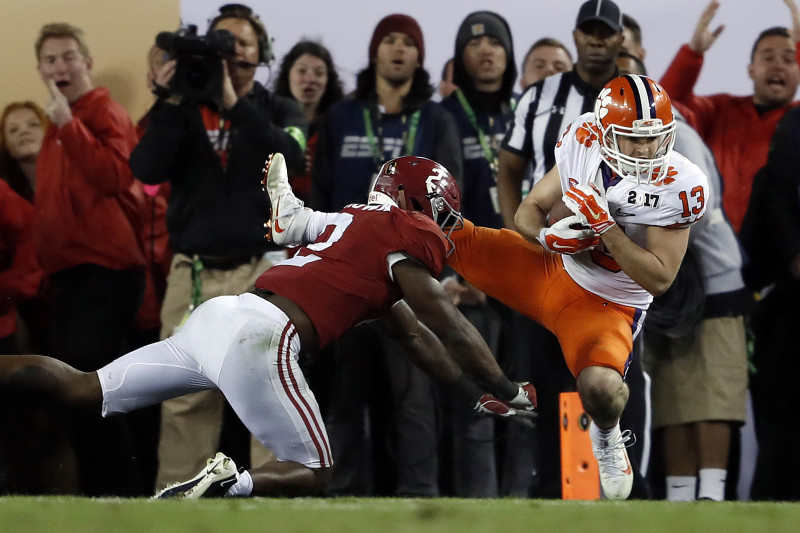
212	151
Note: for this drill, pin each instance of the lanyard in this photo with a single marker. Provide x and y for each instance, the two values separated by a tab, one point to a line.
376	144
489	151
197	283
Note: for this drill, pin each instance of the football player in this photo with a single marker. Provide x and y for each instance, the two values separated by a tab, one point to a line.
368	261
590	277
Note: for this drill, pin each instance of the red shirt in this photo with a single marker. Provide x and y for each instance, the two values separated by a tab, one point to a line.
730	126
156	248
20	276
343	278
88	209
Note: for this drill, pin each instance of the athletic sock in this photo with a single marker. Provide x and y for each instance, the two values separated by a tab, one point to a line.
243	487
598	434
681	488
712	484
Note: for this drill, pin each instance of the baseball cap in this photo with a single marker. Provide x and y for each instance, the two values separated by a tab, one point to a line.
605	11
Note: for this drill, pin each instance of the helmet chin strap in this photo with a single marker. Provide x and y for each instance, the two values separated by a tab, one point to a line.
401	198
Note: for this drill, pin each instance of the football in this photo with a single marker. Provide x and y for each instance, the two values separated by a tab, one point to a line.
560	211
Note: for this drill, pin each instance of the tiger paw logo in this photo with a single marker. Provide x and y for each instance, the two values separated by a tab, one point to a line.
563	135
603	101
586	134
666	180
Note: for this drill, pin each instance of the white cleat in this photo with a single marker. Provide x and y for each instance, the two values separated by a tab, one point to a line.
213	481
616	474
289	217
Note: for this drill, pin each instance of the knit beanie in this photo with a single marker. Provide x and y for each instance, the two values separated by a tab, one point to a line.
478	24
399	23
483	23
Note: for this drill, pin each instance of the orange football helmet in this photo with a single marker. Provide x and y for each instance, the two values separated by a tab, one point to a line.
635	106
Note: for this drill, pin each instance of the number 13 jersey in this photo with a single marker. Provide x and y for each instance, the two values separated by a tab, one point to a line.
677	200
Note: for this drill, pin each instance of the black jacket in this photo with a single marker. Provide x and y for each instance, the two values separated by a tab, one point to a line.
211	210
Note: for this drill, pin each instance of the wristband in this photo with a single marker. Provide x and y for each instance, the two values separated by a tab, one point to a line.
504	388
465	387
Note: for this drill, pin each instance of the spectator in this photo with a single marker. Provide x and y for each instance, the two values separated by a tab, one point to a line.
598	39
210	156
390	114
694	344
738	128
20	276
546	57
628	63
22	126
86	236
446	85
34	458
771	235
632	37
147	325
484	71
308	75
699	371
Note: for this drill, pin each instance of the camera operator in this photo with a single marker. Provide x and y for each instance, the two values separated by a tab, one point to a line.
212	156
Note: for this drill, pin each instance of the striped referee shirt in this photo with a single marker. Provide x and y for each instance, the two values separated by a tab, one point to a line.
543	111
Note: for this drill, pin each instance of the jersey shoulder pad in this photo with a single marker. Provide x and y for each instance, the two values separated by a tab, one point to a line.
421	238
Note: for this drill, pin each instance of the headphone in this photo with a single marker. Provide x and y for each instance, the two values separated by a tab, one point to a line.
241	11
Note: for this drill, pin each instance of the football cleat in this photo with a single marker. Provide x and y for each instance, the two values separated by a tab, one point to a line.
212	482
288	217
616	474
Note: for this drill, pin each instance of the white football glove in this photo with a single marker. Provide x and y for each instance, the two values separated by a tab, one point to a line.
525	398
564	239
590	205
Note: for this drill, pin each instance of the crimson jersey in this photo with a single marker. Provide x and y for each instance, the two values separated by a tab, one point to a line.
344	277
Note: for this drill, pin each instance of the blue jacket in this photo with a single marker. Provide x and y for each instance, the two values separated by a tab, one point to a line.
344	165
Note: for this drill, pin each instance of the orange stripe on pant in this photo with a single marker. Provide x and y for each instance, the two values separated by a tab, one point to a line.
501	263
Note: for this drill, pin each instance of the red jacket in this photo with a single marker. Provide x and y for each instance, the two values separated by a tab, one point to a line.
730	125
87	207
156	248
20	276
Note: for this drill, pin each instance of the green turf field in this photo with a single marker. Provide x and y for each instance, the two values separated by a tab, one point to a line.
385	515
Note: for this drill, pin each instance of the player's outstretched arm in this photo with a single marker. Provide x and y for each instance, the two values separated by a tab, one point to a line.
427	352
432	306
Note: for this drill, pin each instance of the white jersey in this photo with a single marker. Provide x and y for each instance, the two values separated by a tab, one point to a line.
677	200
